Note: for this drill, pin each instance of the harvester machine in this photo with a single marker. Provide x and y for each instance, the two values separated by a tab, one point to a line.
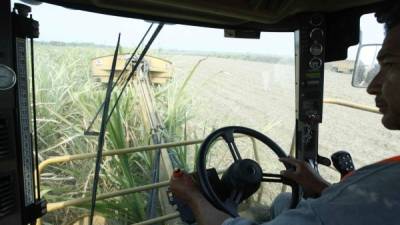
159	70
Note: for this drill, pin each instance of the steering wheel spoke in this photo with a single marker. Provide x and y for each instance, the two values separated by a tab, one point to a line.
276	178
273	178
230	140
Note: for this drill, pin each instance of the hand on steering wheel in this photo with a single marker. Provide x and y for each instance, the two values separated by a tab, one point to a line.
311	182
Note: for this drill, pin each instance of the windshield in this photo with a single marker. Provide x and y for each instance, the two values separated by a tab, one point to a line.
202	82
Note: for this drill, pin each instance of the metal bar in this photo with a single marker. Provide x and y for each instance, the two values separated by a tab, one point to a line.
136	65
60	205
150	114
159	219
73	202
132	55
291	154
101	137
68	158
351	105
89	128
35	134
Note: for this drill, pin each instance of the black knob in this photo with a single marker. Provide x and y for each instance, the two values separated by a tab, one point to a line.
343	162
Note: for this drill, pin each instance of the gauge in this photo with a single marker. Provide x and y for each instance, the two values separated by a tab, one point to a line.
7	77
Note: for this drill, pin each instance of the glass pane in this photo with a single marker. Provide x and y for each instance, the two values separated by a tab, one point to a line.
367	66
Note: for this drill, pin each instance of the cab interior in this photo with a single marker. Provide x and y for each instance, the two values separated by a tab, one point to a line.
321	33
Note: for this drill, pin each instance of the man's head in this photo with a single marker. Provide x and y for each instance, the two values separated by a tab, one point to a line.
386	85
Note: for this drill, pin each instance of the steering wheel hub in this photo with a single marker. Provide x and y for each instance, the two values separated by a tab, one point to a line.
241	174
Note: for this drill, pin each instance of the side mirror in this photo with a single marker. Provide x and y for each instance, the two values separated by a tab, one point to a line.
366	65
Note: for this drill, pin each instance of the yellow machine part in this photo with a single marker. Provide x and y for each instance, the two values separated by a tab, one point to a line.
160	70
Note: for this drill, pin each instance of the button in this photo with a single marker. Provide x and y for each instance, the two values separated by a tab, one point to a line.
316	20
317	34
315	63
316	49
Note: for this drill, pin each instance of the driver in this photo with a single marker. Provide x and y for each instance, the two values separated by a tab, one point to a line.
370	195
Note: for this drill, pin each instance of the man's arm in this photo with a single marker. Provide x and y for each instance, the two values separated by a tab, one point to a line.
207	214
312	183
185	189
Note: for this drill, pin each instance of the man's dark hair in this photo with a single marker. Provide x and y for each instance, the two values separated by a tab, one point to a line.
389	14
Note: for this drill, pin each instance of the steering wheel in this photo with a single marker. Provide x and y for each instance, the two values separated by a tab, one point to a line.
243	177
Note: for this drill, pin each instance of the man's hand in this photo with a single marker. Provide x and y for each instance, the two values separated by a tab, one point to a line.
312	183
183	187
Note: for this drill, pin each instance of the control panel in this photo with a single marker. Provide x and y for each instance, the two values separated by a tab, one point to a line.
310	46
310	42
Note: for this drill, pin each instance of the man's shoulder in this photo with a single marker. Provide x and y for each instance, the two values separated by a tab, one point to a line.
369	196
380	170
378	177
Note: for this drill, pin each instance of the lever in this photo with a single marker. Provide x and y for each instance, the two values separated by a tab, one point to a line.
343	162
323	161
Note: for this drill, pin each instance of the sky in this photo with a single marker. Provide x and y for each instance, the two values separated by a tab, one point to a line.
66	25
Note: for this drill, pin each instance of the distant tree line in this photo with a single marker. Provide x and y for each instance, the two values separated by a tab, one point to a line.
276	59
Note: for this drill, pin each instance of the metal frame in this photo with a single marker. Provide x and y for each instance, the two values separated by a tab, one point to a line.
9	165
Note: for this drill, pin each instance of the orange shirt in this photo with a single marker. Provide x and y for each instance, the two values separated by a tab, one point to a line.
390	160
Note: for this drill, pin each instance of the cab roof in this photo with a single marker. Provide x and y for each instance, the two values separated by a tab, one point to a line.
342	16
240	14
